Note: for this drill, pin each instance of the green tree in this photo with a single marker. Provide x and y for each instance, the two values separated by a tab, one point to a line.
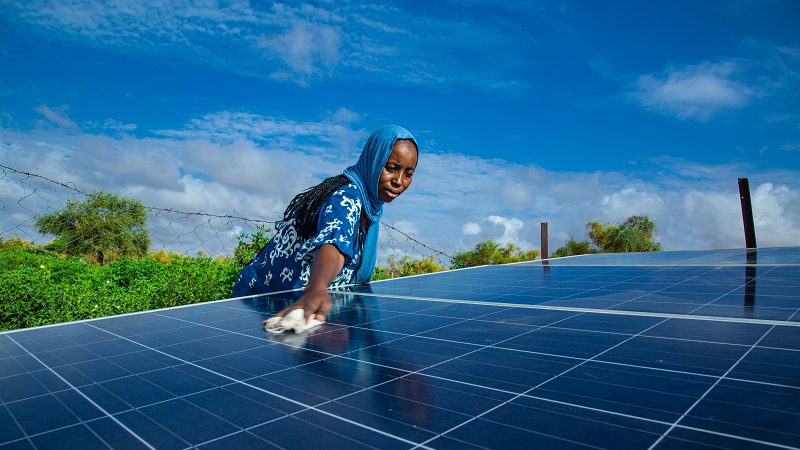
490	252
573	247
250	244
406	267
599	233
103	225
635	234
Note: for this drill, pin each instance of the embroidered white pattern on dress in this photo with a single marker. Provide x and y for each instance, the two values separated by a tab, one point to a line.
285	262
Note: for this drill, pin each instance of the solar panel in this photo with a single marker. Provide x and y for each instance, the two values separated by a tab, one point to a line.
659	350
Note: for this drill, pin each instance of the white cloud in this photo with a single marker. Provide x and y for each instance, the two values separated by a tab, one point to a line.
57	116
226	127
111	124
511	228
694	92
630	201
345	116
704	219
308	49
297	44
251	165
516	193
695	206
471	228
776	211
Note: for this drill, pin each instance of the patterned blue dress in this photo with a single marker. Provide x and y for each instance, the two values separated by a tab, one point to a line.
285	262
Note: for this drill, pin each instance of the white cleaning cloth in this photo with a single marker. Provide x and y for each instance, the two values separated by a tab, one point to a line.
294	321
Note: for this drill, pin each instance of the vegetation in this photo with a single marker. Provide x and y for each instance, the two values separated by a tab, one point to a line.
249	245
573	247
490	252
38	287
635	234
406	267
104	226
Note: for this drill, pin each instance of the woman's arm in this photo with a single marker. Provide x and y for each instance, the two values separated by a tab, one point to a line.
315	300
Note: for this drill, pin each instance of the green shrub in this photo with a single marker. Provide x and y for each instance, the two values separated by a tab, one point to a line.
490	252
39	288
406	267
250	244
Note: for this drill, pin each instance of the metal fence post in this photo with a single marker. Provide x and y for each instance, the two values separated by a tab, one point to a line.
545	254
747	213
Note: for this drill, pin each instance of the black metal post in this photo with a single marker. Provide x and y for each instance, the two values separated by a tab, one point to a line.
747	213
545	254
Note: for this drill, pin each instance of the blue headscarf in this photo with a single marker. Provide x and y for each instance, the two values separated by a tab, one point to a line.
366	174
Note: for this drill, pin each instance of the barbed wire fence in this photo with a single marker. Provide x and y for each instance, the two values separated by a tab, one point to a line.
189	233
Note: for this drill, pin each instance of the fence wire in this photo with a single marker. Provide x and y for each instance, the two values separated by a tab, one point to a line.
171	229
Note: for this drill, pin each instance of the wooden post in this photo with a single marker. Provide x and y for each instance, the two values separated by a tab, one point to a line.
545	254
747	213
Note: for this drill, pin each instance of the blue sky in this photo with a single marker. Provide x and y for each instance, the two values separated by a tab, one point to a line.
526	111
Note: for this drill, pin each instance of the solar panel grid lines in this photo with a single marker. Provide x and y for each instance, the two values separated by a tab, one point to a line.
89	400
268	392
476	417
635	351
697	402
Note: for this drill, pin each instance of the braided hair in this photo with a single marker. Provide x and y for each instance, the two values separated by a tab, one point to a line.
306	205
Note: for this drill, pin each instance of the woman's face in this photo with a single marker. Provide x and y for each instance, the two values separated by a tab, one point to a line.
398	171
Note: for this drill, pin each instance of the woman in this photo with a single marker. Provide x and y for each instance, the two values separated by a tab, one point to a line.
329	233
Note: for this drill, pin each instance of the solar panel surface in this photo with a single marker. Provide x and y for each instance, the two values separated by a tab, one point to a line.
659	350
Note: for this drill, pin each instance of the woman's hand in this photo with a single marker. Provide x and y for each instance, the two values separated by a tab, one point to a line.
316	302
